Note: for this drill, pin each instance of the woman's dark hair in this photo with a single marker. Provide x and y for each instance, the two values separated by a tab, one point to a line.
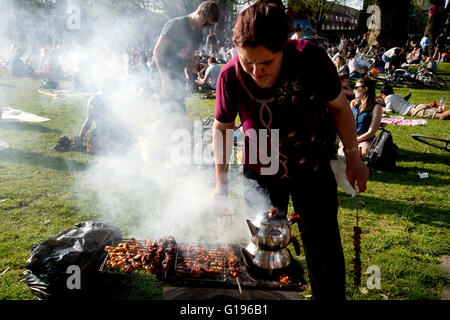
369	101
277	2
387	90
341	58
262	24
343	75
352	54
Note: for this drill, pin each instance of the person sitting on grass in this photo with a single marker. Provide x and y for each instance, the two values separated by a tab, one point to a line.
367	113
208	82
346	87
52	72
395	61
109	134
222	55
414	56
353	65
17	68
430	63
397	104
341	66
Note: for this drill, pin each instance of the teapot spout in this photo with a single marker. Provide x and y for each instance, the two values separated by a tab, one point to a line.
253	229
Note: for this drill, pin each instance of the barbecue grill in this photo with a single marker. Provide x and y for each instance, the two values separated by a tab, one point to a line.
249	278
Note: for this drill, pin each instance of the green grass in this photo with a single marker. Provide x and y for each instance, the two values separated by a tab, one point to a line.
405	219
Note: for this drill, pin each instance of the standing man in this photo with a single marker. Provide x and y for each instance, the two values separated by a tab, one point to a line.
174	53
211	42
440	47
425	44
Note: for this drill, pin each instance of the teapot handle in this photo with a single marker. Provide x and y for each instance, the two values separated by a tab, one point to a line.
294	218
296	244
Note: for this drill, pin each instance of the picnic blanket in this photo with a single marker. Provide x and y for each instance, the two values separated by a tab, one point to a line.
22	116
400	121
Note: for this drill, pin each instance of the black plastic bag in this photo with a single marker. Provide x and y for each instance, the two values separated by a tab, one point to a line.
67	265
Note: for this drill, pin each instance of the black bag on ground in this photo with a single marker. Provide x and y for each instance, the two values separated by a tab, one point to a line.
67	265
382	153
64	144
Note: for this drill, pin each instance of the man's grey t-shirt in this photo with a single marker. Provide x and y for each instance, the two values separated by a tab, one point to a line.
212	72
183	42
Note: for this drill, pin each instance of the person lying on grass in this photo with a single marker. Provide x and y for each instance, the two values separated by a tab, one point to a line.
395	103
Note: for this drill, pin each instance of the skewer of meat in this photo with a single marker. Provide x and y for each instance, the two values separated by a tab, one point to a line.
357	244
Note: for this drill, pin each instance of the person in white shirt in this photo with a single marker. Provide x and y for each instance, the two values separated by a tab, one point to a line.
397	104
388	54
222	55
343	53
211	75
353	65
425	43
231	52
297	33
430	63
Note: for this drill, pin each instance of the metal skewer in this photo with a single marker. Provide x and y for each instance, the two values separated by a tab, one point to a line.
357	202
239	284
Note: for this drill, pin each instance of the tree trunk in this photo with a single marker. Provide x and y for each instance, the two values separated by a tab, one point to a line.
363	16
394	24
220	28
436	21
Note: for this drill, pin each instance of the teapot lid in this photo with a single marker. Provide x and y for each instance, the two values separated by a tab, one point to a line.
273	218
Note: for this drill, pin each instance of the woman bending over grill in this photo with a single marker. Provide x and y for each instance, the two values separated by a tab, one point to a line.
290	91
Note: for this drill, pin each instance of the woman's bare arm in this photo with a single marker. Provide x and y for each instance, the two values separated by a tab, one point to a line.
346	127
374	125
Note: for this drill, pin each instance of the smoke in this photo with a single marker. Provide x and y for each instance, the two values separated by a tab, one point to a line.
140	186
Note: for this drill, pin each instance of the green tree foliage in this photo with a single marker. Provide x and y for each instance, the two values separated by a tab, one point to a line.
316	10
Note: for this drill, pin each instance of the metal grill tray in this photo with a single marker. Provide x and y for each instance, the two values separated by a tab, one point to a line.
220	280
104	267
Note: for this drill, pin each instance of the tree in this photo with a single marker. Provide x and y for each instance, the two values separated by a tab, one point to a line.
436	20
316	10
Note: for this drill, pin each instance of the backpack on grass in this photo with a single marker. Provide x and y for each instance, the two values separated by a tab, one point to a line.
382	153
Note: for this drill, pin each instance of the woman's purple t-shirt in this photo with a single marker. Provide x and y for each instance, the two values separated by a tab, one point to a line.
295	105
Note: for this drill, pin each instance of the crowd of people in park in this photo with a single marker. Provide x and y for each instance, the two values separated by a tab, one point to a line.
34	63
349	55
198	71
349	58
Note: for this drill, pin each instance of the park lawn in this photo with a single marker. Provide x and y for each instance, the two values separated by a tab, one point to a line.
405	219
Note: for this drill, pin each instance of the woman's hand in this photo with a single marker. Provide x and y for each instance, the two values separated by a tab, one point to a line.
357	172
219	200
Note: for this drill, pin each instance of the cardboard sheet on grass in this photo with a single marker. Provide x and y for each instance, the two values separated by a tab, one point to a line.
10	114
3	145
63	93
